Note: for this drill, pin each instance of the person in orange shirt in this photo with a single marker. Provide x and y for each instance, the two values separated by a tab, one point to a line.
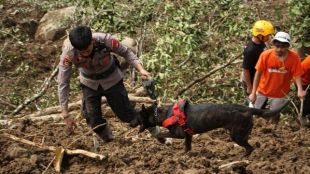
305	119
275	69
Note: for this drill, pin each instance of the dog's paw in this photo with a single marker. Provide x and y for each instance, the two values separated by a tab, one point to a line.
168	141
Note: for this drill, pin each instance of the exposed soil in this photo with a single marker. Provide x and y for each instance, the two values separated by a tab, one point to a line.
284	150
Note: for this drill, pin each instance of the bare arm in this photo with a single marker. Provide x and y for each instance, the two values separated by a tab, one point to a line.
257	77
247	78
300	92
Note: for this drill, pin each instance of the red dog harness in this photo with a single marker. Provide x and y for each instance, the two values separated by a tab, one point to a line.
178	116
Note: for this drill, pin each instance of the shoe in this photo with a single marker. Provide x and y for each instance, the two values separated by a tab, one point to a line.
106	134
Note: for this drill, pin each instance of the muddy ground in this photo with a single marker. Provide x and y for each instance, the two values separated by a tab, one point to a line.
25	64
282	150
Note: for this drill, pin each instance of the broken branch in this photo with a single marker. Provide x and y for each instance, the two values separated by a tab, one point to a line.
36	96
214	70
53	148
235	163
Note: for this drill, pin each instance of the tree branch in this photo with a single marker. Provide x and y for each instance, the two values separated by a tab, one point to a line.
214	70
53	148
44	87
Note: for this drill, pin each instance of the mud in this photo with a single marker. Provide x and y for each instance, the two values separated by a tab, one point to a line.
281	150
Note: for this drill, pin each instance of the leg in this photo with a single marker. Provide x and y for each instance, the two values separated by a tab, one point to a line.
240	134
91	110
245	92
188	142
154	132
306	107
276	103
117	98
260	100
305	119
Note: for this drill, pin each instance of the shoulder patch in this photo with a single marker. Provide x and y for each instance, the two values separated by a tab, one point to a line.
115	44
67	61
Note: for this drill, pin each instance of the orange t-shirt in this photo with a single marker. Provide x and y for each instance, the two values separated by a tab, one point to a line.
276	74
306	68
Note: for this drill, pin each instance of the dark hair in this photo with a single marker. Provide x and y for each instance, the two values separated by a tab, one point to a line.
80	37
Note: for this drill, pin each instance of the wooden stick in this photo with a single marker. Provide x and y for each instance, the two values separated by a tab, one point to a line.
235	163
44	87
53	148
49	164
87	133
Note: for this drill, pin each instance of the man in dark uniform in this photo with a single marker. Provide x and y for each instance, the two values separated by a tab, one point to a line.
261	32
99	76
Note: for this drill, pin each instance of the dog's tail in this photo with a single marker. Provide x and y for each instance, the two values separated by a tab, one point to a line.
266	113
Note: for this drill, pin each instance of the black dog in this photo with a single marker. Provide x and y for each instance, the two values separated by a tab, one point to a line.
201	118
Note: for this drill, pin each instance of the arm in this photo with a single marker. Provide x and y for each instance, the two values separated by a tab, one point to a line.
64	75
125	52
257	77
300	92
247	78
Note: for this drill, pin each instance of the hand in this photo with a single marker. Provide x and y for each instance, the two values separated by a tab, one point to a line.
145	75
252	98
301	94
71	125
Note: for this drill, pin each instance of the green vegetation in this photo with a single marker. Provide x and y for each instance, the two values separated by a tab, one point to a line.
180	41
300	16
183	39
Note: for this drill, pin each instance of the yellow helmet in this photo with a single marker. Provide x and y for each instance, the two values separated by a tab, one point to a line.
262	27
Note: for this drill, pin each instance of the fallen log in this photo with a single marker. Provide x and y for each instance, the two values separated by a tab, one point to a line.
55	117
76	105
53	148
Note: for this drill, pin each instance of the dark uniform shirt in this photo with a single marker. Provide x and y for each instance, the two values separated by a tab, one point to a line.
251	54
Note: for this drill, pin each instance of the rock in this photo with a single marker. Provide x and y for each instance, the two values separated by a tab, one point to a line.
52	25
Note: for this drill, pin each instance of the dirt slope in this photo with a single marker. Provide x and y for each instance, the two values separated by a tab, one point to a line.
284	150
